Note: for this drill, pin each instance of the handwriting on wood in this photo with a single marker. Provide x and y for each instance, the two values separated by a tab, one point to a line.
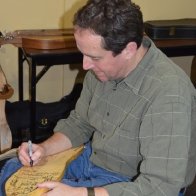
24	181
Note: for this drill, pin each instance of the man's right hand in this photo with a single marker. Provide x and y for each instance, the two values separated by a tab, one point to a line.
38	153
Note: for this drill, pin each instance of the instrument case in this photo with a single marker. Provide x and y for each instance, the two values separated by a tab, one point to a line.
171	29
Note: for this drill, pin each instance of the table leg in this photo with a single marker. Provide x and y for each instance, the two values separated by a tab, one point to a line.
32	94
20	73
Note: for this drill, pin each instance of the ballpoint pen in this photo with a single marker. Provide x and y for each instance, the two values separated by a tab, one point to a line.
30	152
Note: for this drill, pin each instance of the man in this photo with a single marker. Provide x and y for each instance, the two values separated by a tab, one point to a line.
135	113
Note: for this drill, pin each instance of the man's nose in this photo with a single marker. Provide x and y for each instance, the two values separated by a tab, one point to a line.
87	63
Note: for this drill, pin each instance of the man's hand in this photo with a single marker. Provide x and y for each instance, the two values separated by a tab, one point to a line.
57	188
23	155
58	142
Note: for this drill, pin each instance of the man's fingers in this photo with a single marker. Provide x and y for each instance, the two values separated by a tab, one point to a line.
50	185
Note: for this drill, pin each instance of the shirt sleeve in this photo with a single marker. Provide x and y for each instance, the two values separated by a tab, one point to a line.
76	126
165	146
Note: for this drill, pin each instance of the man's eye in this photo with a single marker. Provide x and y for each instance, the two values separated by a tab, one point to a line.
95	59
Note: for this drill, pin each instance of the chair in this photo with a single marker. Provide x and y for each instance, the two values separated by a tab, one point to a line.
6	92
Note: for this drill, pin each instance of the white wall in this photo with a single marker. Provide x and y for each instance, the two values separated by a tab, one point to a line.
43	14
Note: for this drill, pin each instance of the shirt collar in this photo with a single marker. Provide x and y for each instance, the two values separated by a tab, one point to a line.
135	78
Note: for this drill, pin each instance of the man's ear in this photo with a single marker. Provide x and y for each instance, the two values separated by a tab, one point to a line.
130	49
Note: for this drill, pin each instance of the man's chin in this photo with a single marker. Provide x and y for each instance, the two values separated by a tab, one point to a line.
101	78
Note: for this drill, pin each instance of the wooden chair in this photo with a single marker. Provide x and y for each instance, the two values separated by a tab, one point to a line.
6	91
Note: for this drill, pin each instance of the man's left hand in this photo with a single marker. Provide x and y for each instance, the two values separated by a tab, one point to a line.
57	188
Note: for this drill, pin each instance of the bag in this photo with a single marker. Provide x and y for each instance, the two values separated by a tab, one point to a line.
171	29
6	92
47	115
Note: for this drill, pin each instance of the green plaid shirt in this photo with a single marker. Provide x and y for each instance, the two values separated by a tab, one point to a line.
142	126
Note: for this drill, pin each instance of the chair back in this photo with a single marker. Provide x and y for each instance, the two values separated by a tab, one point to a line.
6	92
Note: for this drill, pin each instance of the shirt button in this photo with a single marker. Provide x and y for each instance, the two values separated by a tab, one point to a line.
95	153
108	113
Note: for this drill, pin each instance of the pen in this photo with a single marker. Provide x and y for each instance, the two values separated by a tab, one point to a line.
30	152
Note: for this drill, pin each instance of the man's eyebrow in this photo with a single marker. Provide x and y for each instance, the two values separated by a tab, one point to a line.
91	56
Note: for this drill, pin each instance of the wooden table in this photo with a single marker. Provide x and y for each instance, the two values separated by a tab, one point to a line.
177	47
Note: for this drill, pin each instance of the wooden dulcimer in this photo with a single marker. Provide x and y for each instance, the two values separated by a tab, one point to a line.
25	180
40	38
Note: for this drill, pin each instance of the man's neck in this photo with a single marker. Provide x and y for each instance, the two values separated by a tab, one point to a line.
139	55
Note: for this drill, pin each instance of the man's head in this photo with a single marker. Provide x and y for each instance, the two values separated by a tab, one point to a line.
109	34
118	22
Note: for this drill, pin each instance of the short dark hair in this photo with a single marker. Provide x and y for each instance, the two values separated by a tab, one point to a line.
117	21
